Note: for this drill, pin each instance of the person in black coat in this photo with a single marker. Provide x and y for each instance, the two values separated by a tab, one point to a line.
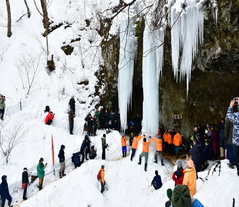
157	182
25	182
4	192
72	104
71	120
196	152
85	147
61	156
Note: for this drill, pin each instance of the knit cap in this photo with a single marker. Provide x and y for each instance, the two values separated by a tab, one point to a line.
179	163
169	193
181	196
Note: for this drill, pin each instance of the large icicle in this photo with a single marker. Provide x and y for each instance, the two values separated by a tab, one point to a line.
152	66
126	69
187	22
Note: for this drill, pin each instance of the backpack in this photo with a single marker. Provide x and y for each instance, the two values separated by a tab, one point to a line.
99	175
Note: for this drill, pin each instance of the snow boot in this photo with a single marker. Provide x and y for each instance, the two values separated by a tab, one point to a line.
63	174
40	187
124	154
162	162
145	167
156	160
60	175
139	161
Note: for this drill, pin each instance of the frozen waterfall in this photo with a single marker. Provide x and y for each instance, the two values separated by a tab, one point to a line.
128	46
152	66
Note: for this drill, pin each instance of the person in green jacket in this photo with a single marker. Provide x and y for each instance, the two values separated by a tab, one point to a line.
41	172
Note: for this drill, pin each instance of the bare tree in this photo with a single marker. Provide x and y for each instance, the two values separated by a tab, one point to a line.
10	138
28	67
9	19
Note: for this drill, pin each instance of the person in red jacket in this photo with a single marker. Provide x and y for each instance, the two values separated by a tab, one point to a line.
178	174
49	118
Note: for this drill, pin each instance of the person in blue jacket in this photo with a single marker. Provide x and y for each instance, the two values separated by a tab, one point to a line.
4	191
156	182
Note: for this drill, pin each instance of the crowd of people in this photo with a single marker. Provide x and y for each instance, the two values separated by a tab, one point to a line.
215	142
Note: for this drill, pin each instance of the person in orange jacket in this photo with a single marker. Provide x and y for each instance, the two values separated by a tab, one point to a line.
177	141
49	118
135	145
145	153
168	140
190	177
159	149
123	143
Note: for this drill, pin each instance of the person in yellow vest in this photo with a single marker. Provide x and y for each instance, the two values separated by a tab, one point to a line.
135	145
177	141
145	153
159	149
123	143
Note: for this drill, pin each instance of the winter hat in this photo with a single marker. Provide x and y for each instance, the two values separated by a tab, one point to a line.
102	166
25	168
179	163
62	146
190	163
169	193
41	159
181	196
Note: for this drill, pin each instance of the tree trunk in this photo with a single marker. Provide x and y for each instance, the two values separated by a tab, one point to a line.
9	19
28	11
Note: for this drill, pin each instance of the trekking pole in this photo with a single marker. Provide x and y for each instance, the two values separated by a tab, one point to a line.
233	202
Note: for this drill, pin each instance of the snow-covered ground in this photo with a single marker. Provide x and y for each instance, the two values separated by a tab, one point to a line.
23	59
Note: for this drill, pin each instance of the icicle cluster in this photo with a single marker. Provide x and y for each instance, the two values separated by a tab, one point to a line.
187	21
128	46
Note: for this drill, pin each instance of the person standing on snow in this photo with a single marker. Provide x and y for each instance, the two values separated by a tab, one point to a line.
123	143
135	145
4	192
25	182
234	118
61	157
101	178
190	177
178	174
177	141
71	120
159	149
145	153
2	105
41	172
104	145
72	104
157	182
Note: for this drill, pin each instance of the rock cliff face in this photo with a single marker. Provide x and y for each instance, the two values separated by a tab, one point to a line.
215	75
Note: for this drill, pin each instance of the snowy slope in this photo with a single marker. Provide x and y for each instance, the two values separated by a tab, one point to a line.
23	57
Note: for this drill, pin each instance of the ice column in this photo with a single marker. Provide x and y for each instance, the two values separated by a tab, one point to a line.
128	46
152	65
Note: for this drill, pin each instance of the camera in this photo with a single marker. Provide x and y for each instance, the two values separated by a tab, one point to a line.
235	99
